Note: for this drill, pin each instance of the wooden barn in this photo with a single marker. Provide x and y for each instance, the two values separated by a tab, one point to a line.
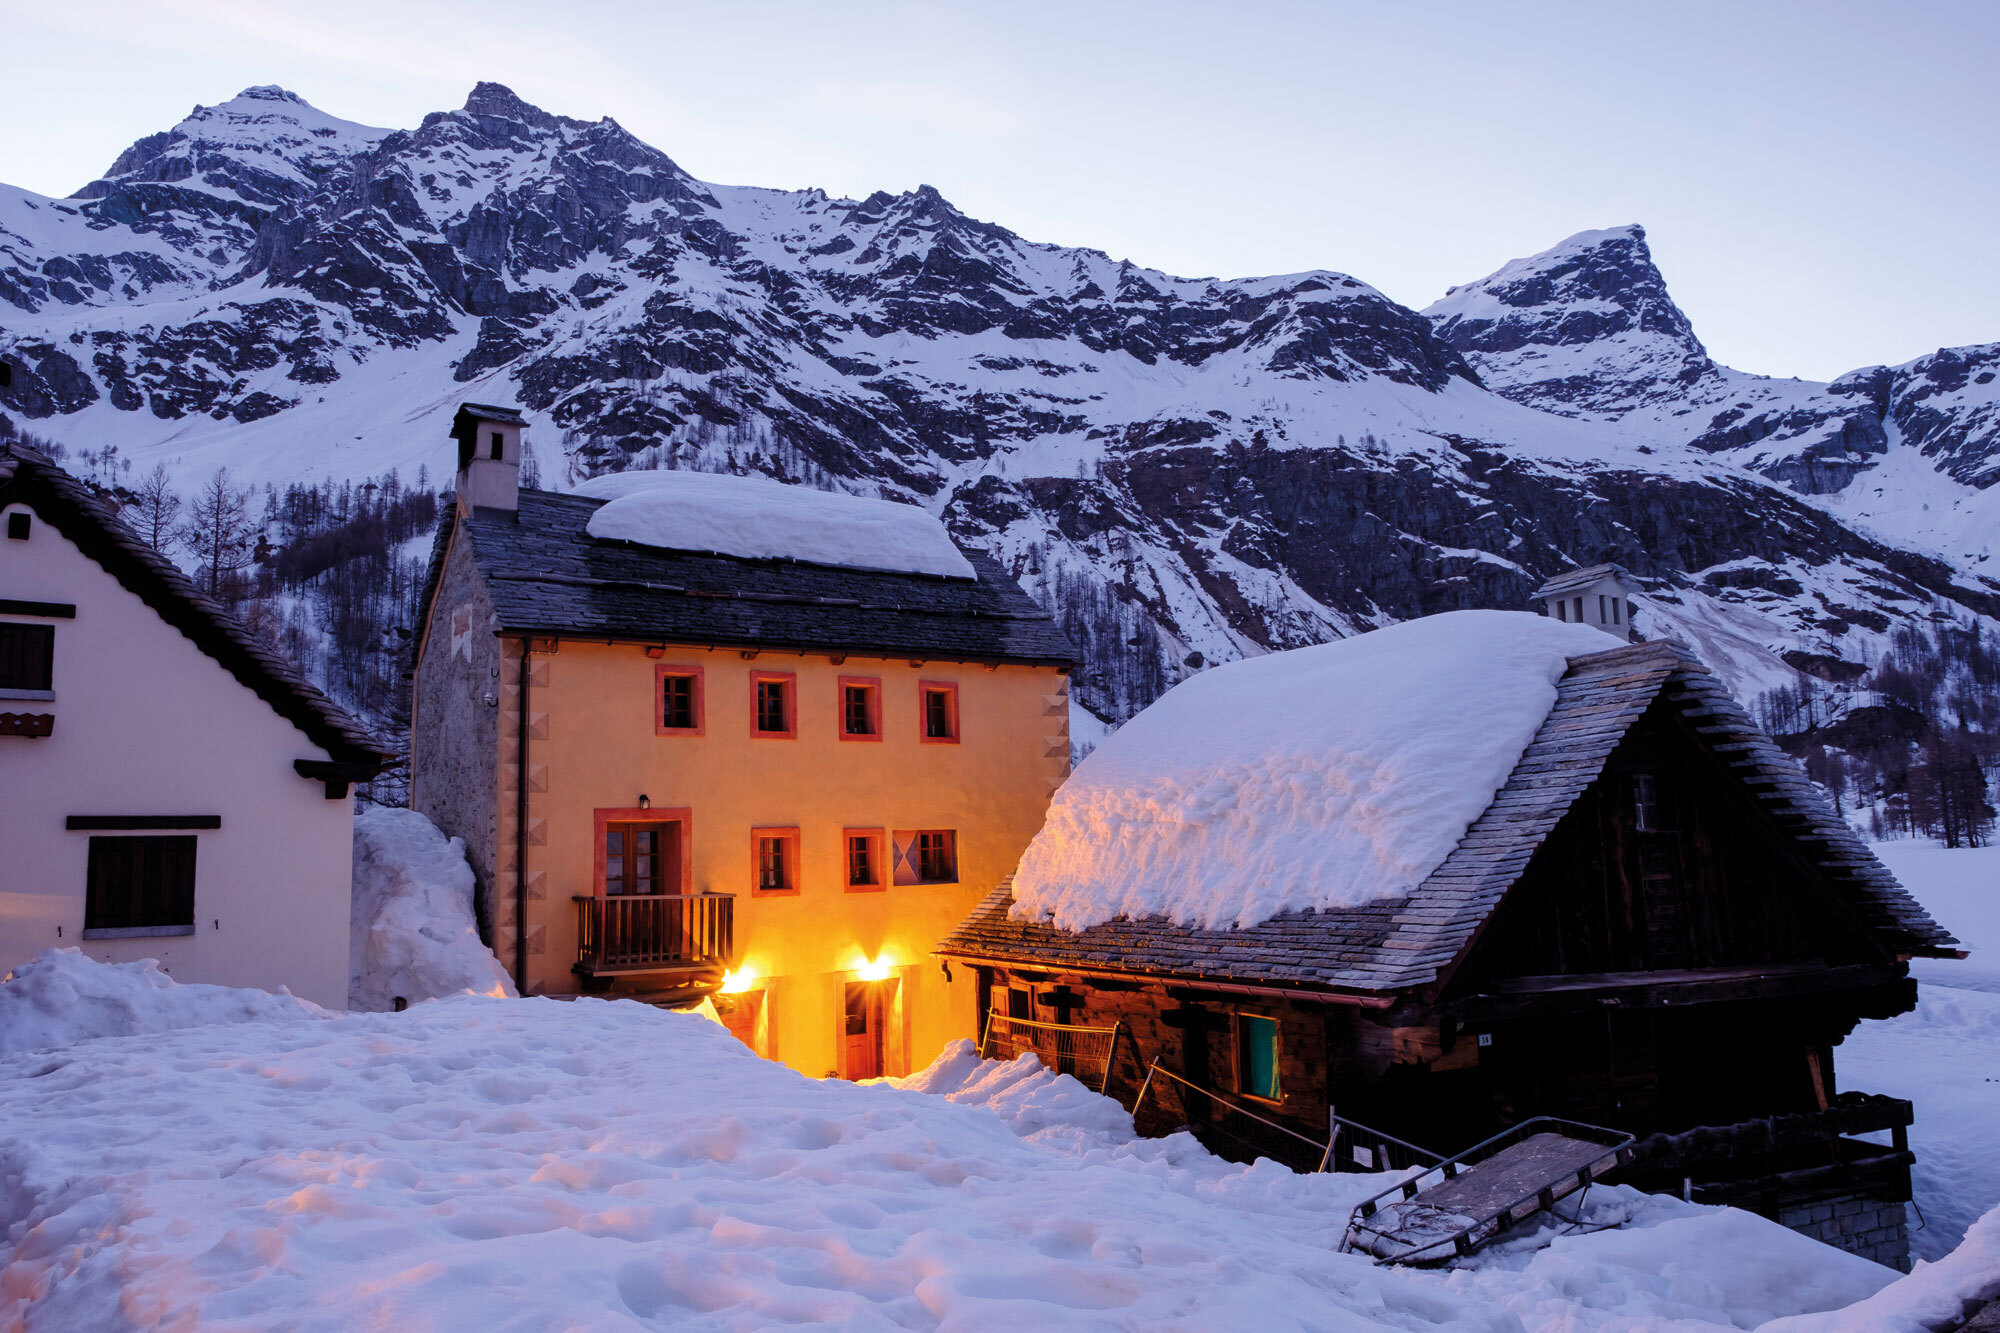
1657	925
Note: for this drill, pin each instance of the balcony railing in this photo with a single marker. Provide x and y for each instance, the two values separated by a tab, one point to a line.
654	932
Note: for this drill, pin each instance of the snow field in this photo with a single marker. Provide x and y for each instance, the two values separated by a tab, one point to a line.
484	1163
62	998
1320	777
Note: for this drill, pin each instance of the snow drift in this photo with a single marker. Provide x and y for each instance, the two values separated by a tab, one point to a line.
481	1163
62	998
413	936
1321	777
768	520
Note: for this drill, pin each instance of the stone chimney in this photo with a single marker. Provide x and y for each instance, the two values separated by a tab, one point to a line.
489	457
1599	596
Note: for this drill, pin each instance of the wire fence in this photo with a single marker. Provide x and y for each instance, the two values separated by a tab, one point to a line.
1085	1053
1349	1146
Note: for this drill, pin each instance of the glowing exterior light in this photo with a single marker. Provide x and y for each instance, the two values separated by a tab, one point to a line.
738	980
875	970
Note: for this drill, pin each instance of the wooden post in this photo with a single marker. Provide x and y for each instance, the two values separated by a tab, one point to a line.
1142	1090
1111	1057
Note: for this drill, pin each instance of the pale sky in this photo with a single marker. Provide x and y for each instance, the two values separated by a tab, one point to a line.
1818	180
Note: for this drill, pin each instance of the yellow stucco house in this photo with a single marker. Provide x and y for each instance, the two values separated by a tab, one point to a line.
686	761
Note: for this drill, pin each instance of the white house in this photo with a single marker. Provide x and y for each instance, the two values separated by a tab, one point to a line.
168	788
1599	596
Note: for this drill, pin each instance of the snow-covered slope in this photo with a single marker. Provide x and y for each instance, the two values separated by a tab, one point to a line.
1587	329
1186	470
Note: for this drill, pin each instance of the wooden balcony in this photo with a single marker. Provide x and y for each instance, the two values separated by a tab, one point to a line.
691	935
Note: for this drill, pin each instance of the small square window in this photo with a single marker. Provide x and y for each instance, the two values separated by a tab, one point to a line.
19	525
140	884
496	442
774	856
1257	1057
939	701
863	859
677	700
1646	803
926	856
772	703
860	708
27	656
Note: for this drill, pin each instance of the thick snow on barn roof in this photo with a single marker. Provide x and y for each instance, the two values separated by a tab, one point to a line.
760	519
1317	778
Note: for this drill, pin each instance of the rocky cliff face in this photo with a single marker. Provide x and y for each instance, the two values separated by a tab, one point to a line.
1588	330
1186	470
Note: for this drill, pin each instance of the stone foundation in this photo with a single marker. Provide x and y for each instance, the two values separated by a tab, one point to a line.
1875	1229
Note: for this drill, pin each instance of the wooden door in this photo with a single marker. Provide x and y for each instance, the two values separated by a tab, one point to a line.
865	1019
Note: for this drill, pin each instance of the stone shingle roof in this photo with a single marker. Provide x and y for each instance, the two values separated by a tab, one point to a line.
93	524
548	575
1411	942
1576	580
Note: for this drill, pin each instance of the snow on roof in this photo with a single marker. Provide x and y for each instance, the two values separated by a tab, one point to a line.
1321	777
760	519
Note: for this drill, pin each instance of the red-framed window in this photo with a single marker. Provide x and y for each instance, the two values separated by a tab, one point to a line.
926	856
641	849
862	867
937	712
774	704
677	700
860	708
774	861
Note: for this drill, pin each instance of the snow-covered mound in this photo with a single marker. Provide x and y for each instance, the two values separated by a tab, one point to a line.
769	520
482	1163
1320	777
413	935
62	998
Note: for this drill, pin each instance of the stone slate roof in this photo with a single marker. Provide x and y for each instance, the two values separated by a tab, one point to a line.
1576	580
92	523
547	575
1413	942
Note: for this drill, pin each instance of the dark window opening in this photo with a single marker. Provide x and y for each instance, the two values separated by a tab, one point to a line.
27	657
1579	610
773	706
935	862
940	714
858	710
773	870
495	441
19	525
1257	1057
1020	1003
677	703
860	860
1562	609
1645	803
1614	609
641	858
139	883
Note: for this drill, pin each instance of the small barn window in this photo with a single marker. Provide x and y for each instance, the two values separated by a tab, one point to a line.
495	441
1645	803
1614	609
1562	609
140	885
1257	1057
19	525
27	656
1579	610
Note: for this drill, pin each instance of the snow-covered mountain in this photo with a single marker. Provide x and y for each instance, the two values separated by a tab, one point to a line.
1587	330
1189	470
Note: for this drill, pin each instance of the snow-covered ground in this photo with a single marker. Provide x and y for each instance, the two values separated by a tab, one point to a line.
1944	1056
487	1163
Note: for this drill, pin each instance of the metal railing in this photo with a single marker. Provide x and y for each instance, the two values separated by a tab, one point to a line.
1066	1048
634	932
1349	1143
